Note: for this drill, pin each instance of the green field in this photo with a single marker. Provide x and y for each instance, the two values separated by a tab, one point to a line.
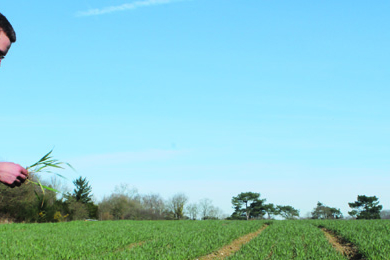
300	239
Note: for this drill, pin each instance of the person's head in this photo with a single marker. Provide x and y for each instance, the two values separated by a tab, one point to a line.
7	36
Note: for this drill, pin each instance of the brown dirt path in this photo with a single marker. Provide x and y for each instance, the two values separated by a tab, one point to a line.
232	247
346	248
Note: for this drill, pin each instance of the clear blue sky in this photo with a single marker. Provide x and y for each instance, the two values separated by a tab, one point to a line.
210	98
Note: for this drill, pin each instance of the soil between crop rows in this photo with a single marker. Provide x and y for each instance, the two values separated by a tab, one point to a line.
344	247
233	247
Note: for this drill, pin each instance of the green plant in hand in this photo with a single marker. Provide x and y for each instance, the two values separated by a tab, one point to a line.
46	164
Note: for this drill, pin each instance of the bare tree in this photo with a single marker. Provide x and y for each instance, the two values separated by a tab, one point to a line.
123	203
59	184
214	213
192	210
118	206
385	214
154	205
205	205
125	190
176	205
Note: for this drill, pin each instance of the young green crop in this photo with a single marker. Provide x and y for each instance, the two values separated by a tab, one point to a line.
372	237
187	239
120	239
46	164
289	240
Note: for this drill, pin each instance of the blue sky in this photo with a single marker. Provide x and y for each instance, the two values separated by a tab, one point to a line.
209	98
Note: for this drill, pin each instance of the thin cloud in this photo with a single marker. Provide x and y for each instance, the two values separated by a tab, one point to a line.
124	7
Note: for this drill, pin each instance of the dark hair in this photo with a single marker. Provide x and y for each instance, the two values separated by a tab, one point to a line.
7	28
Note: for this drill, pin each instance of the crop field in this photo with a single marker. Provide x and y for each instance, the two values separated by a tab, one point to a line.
300	239
289	240
371	237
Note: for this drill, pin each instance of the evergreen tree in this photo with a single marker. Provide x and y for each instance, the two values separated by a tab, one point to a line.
287	212
325	212
80	202
248	204
365	207
82	192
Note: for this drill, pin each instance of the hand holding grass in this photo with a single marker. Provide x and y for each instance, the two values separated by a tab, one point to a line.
12	174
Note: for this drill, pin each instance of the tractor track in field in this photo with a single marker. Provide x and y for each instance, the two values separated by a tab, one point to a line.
343	246
120	249
233	247
130	246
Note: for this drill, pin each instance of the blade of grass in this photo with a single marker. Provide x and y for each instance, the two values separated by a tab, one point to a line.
49	188
44	165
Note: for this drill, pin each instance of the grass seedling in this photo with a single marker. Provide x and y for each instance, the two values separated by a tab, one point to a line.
46	165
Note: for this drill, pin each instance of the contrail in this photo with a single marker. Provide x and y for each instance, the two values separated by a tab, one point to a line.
124	7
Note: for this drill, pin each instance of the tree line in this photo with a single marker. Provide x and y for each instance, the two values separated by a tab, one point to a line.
248	205
29	203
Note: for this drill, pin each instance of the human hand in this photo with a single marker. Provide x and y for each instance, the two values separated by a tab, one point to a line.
12	174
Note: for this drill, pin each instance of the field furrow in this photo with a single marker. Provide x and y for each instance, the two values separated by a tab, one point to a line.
289	240
372	237
344	247
234	246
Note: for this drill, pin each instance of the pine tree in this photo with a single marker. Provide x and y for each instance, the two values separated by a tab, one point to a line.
82	192
365	207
